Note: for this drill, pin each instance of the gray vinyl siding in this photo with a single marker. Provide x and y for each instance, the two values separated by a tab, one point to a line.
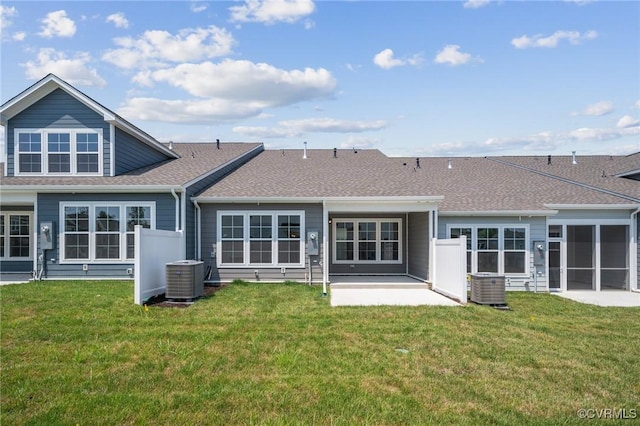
375	268
57	110
537	232
313	221
418	245
638	251
133	154
49	210
595	215
200	186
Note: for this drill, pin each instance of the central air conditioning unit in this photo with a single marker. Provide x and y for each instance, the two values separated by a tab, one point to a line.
488	289
185	279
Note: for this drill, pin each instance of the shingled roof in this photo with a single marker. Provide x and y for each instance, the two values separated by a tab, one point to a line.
196	160
471	184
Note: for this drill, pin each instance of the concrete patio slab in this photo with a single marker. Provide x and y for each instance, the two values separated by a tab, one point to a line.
603	298
383	290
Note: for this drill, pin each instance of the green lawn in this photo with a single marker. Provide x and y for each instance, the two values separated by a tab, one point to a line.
83	353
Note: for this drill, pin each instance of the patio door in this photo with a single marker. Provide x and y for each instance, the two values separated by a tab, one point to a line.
556	265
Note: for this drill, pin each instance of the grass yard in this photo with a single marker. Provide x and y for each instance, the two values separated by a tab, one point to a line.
83	353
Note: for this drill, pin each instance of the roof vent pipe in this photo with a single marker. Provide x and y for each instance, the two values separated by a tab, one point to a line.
218	143
449	164
573	158
171	145
417	163
548	160
304	156
335	152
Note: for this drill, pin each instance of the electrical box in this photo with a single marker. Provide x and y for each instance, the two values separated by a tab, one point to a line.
313	246
46	236
539	250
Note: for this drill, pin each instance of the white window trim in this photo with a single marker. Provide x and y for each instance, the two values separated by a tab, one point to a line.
92	229
44	151
501	250
246	241
7	236
355	221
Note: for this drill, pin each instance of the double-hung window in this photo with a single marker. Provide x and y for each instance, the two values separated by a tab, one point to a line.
15	235
260	238
367	240
102	232
58	152
495	249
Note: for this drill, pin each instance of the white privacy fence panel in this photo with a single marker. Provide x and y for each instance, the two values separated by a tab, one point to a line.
153	250
450	267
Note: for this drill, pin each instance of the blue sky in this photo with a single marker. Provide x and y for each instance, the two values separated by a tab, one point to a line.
411	78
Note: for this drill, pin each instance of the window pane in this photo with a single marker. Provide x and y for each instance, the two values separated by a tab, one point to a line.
344	250
514	262
289	226
344	231
260	227
30	163
487	239
233	227
107	219
59	163
29	142
107	246
2	236
366	250
487	262
76	219
131	246
288	251
367	231
389	251
138	216
87	163
555	231
76	246
260	252
232	252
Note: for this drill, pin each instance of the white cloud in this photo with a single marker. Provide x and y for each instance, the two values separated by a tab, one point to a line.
386	60
574	37
246	81
297	128
597	109
118	19
6	13
19	36
360	142
540	142
272	11
156	48
74	70
628	121
451	55
56	24
637	104
227	91
197	7
475	4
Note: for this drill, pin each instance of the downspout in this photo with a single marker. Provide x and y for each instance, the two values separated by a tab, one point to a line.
112	150
183	213
197	230
633	265
325	247
173	192
36	229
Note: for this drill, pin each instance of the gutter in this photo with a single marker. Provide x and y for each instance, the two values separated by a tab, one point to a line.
499	213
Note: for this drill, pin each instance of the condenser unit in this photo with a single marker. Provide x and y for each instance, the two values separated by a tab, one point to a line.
185	279
488	289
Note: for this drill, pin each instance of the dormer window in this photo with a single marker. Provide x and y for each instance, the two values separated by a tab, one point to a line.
58	152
